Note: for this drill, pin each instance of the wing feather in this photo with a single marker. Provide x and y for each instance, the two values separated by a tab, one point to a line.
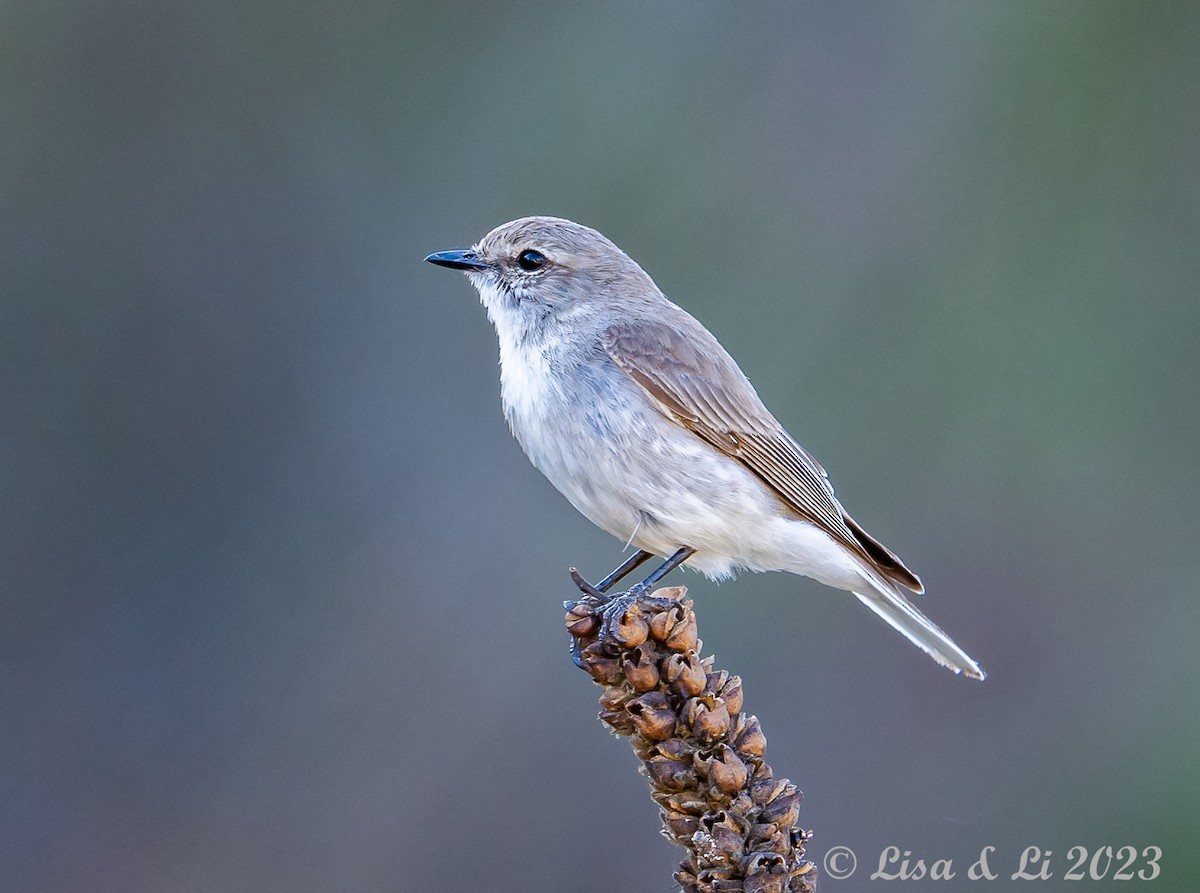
697	384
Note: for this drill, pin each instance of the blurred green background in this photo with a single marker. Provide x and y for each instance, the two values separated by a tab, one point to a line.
280	603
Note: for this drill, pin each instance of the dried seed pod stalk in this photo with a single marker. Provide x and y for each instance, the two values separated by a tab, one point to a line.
703	756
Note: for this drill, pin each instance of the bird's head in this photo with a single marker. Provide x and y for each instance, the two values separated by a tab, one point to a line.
546	268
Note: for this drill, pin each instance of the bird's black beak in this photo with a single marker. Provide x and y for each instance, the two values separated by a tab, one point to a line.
458	259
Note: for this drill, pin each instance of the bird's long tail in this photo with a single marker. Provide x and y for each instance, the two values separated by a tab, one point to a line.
889	603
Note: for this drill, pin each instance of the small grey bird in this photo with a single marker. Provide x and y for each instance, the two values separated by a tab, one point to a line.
647	425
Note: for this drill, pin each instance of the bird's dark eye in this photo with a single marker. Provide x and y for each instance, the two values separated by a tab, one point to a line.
529	260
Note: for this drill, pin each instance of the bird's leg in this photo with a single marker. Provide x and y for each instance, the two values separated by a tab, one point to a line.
682	555
612	610
598	591
627	567
597	595
606	606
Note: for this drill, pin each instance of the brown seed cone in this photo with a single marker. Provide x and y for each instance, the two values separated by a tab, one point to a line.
640	668
702	755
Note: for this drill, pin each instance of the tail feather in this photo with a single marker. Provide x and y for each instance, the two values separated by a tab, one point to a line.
886	600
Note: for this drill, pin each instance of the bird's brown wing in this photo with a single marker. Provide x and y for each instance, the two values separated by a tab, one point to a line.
695	382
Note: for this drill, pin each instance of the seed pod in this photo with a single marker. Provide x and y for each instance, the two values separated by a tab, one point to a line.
679	825
619	721
670	593
805	867
713	680
581	620
615	697
765	873
682	636
652	716
684	673
741	805
670	775
675	749
664	621
686	879
684	802
719	878
760	863
764	790
601	665
707	717
643	747
726	837
726	770
768	838
748	739
731	691
640	667
784	809
631	627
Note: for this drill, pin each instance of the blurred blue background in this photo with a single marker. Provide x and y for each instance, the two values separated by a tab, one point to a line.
280	604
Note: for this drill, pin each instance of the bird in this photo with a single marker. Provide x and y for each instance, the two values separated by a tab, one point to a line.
644	422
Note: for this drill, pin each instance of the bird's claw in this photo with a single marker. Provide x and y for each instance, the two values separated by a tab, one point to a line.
586	588
613	611
621	622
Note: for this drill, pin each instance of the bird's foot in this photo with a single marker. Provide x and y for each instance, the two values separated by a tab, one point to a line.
594	595
621	618
618	620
